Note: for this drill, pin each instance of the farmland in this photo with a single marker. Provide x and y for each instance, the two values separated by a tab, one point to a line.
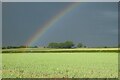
49	50
59	65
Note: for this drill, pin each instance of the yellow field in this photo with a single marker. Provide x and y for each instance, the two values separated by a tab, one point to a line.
62	50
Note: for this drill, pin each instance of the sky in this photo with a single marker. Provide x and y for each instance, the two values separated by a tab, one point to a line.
0	24
91	23
60	0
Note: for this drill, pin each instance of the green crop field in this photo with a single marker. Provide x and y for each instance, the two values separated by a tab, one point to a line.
59	65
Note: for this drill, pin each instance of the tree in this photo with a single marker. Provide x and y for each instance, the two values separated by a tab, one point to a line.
85	46
79	45
61	45
67	44
53	45
22	46
118	45
105	47
9	47
4	48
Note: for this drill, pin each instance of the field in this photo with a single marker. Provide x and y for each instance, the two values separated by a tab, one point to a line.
59	65
50	50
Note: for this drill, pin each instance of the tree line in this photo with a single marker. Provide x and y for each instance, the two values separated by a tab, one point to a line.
14	47
66	44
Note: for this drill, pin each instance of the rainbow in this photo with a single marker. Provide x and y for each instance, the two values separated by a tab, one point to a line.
50	23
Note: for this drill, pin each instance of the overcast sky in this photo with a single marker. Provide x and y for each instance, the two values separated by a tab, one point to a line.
60	0
92	23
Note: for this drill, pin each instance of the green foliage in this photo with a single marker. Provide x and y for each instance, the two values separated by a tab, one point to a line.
14	47
118	45
67	44
80	45
105	47
53	45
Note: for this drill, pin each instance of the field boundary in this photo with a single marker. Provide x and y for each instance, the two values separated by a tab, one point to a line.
38	50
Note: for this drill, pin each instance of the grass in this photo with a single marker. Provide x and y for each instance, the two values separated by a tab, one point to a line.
59	65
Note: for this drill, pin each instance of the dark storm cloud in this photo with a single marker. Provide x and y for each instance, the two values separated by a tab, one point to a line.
94	24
